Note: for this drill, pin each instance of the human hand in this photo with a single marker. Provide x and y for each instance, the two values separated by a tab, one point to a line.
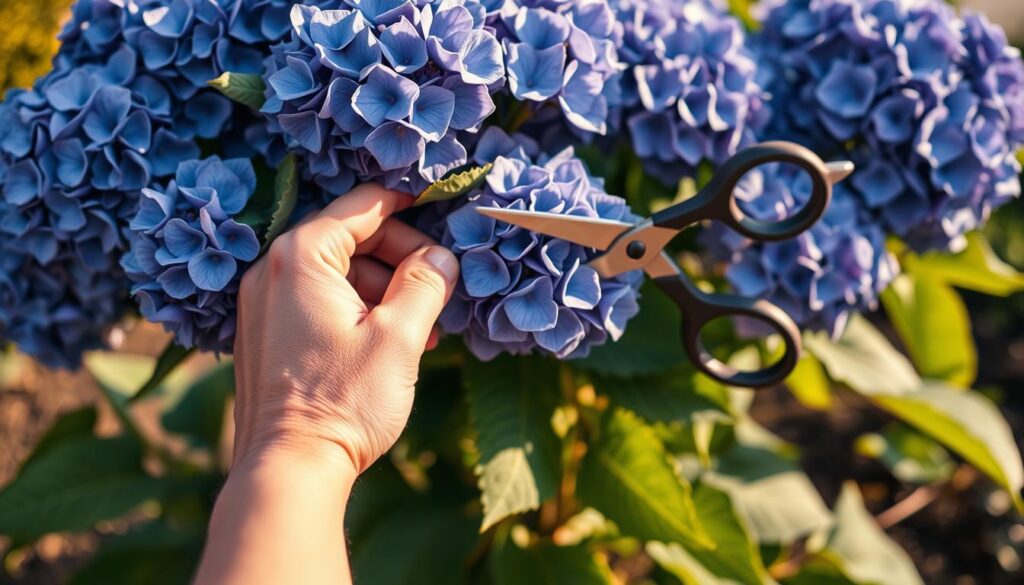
332	323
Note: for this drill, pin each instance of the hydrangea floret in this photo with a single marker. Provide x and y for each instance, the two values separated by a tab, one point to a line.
381	91
822	276
188	252
690	93
521	292
930	101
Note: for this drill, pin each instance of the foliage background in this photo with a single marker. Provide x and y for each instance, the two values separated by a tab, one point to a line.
959	531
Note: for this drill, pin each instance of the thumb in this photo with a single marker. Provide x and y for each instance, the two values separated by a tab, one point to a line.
418	291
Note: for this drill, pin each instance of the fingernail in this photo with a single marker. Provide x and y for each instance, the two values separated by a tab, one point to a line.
444	261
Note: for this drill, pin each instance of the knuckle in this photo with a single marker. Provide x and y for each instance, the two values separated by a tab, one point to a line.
283	253
427	280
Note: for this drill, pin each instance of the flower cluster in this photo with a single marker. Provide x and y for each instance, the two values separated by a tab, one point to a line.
74	152
188	254
931	102
382	91
565	52
520	291
690	94
819	278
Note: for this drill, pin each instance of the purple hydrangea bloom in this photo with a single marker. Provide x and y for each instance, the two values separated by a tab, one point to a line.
931	103
188	253
74	152
819	278
383	90
521	292
564	53
690	93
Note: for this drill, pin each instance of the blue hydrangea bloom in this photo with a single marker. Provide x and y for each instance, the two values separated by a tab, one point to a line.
521	292
819	278
383	90
188	253
690	93
74	152
562	52
930	102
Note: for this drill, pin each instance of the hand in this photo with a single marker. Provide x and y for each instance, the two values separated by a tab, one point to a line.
332	324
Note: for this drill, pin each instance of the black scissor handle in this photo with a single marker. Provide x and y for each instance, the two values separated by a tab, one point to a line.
699	309
717	199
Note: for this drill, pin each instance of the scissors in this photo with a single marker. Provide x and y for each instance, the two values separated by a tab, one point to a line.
628	246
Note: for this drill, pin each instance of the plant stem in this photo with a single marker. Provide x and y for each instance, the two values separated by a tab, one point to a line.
572	454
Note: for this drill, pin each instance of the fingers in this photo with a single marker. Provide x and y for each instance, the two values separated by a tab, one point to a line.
370	279
420	288
393	242
353	218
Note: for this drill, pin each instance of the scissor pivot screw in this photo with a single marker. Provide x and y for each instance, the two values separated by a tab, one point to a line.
636	249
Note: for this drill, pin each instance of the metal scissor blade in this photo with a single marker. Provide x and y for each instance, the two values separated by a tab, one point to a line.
837	171
585	231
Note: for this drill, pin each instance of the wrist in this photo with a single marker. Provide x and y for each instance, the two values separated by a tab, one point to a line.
323	461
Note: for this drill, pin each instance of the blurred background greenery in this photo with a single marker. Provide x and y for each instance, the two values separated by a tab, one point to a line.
963	534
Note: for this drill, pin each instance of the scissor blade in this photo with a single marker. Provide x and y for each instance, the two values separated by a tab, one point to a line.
837	171
585	231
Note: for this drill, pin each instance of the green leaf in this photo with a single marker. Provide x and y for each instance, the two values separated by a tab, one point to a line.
511	402
822	569
777	499
454	185
200	413
172	357
419	544
933	323
676	396
286	193
674	559
976	268
378	492
69	427
626	476
72	486
153	554
864	359
910	456
735	554
543	563
809	384
244	88
968	424
865	553
651	344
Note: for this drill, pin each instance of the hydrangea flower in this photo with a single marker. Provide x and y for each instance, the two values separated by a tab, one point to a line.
565	53
383	90
188	253
521	292
931	102
690	93
74	152
819	278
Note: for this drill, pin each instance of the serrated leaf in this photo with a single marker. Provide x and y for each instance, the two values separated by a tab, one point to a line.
676	396
864	359
865	553
976	268
809	384
511	402
74	485
543	563
735	555
968	424
625	475
910	455
425	544
933	323
199	415
244	88
777	499
286	194
651	344
454	185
